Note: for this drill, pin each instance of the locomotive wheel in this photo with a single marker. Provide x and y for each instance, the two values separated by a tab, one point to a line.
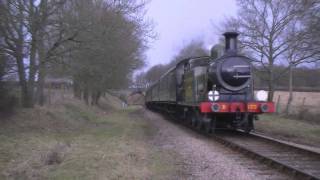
209	125
199	121
184	116
249	125
199	124
194	121
247	130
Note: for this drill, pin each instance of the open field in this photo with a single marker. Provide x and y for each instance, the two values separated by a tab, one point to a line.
307	100
68	140
293	130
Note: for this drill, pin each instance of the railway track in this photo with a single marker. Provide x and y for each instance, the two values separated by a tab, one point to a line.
295	161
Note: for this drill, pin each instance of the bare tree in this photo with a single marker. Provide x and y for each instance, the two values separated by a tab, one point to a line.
111	47
100	41
304	45
54	40
22	26
13	27
263	28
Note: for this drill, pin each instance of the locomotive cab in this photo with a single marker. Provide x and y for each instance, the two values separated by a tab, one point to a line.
191	77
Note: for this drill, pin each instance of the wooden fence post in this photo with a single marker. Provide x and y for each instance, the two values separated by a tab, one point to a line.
278	109
303	102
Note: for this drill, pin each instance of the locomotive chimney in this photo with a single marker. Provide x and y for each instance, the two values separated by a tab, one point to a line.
231	42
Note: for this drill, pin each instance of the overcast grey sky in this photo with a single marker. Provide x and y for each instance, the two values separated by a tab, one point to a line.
177	22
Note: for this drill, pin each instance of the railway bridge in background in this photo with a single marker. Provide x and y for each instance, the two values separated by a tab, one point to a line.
131	96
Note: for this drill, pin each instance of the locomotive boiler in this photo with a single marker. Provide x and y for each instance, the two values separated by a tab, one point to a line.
211	93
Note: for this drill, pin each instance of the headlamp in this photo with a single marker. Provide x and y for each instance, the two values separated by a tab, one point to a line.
213	95
261	95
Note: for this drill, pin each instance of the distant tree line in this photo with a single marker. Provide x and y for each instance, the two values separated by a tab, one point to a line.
96	43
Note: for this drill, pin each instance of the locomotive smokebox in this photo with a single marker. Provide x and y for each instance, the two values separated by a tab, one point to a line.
231	71
231	41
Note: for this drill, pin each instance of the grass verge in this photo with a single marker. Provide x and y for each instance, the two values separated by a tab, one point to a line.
69	140
290	129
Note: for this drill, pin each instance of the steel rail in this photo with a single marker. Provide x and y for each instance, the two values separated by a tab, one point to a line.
299	162
267	150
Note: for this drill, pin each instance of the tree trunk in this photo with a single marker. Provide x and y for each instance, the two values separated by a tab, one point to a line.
32	68
76	89
271	85
86	95
98	97
95	98
41	85
33	50
288	108
42	74
26	101
25	95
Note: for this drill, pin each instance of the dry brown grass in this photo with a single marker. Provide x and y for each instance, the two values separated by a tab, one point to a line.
312	100
68	140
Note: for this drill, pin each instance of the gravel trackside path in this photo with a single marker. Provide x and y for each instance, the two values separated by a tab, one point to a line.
202	157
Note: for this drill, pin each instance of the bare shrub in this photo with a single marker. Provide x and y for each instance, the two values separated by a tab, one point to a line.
55	155
302	113
36	165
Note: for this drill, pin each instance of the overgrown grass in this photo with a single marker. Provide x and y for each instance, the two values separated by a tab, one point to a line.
69	140
290	129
